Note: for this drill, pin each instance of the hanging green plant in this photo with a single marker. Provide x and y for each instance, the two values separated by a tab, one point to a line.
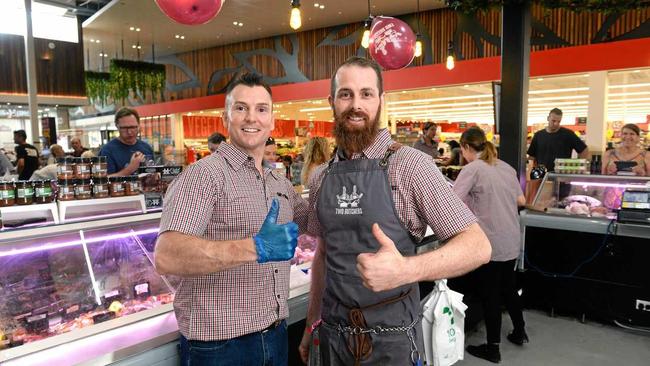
136	76
606	6
98	86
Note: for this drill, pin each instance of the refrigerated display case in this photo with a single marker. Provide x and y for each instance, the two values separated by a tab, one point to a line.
578	257
92	286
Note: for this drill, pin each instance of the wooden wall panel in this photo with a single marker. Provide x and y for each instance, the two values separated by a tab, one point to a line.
59	71
442	25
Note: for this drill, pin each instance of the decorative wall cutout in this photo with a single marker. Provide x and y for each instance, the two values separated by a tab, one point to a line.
194	82
469	24
544	36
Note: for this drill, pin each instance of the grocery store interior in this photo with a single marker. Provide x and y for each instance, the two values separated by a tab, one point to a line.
79	222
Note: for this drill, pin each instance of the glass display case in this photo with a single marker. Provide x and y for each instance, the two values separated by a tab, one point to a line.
57	284
580	195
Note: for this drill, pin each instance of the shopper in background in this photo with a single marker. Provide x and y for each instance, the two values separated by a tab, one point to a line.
287	160
5	164
628	158
230	236
270	151
214	140
77	148
125	152
365	271
455	157
26	156
427	142
316	152
167	156
555	142
49	171
490	189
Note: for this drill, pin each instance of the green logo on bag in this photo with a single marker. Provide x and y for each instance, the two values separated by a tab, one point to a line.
447	310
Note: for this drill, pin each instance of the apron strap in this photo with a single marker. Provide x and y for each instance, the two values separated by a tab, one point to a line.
390	151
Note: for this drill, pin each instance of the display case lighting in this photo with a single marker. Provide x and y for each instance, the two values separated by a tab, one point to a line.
628	86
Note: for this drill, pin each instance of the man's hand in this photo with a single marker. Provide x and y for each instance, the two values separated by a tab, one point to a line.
274	242
137	158
303	349
384	270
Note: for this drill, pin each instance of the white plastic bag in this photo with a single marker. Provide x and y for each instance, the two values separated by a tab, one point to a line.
443	321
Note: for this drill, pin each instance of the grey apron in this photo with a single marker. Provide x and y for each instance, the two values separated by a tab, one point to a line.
355	194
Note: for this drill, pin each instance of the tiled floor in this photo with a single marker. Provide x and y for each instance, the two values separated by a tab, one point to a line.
564	341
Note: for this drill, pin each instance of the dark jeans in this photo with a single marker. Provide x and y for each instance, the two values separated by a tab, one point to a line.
496	281
266	348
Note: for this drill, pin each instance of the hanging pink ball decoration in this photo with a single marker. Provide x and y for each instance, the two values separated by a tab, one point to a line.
191	12
392	43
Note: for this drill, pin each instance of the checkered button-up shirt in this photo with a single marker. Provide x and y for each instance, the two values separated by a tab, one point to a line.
223	197
420	192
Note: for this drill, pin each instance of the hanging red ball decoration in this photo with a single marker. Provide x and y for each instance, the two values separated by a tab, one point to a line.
191	12
392	43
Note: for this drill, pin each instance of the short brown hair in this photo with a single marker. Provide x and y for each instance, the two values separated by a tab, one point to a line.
634	128
125	111
360	62
557	111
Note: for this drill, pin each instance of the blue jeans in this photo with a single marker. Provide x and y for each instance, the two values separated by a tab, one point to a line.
266	348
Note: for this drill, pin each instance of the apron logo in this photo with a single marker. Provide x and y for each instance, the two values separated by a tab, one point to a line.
349	203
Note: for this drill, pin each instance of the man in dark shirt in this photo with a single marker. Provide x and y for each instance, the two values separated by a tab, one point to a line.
125	152
555	142
77	148
26	156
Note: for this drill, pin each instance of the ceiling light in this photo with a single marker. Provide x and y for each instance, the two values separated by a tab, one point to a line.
92	40
240	24
628	86
182	37
295	20
177	36
365	39
137	29
132	28
418	37
316	5
139	47
451	55
134	46
97	41
322	6
234	23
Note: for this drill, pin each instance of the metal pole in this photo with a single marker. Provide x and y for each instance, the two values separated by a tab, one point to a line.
515	57
30	67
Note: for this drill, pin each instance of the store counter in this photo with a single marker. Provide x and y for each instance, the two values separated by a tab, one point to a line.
578	259
87	293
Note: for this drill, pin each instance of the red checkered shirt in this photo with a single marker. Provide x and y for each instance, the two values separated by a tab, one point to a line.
223	197
420	192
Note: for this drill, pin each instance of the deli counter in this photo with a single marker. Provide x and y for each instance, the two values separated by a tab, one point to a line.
583	255
88	293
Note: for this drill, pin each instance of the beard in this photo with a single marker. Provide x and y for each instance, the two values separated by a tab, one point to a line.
354	139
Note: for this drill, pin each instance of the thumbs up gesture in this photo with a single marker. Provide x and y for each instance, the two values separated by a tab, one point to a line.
274	242
383	270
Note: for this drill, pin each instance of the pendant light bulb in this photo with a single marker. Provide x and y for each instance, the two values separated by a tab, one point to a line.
365	39
295	21
418	47
450	62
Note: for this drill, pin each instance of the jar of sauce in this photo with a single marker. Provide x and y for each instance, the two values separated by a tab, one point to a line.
43	191
116	186
66	189
65	168
24	192
82	168
100	187
100	167
7	194
82	190
132	184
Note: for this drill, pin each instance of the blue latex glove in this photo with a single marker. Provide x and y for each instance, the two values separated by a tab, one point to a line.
275	243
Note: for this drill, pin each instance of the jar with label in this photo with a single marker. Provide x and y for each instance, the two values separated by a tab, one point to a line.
116	186
132	184
66	189
43	191
65	168
7	194
24	192
100	167
82	168
82	190
100	187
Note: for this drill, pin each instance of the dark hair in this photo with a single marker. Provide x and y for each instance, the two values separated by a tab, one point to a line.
453	144
557	111
249	79
287	158
360	62
474	137
216	138
270	141
633	127
21	133
125	111
428	125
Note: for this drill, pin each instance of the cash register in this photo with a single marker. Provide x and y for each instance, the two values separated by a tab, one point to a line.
635	207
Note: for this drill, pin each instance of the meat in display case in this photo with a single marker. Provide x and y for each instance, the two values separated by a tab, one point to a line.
56	281
580	195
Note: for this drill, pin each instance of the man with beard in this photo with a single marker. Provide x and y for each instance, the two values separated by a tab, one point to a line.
369	206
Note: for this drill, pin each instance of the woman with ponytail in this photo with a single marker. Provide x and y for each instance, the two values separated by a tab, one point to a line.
491	190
